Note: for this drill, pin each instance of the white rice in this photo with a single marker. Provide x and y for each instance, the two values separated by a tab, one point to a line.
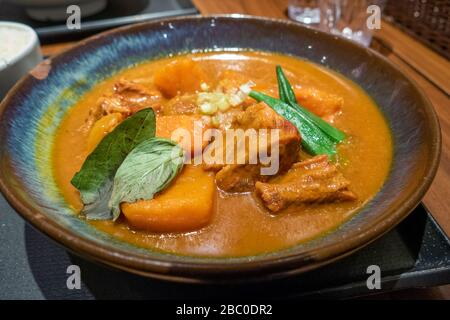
13	41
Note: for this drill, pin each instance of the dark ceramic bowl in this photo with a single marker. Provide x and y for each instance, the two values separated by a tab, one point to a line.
33	110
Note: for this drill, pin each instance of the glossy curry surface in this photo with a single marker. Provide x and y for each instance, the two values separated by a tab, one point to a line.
240	224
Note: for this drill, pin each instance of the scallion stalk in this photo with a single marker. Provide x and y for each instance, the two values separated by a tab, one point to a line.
287	95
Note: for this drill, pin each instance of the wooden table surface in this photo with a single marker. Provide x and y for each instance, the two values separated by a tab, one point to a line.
427	68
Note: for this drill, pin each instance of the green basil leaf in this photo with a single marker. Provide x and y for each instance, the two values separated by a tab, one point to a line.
147	169
95	179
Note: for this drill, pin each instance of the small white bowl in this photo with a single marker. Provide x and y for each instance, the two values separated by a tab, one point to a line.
16	61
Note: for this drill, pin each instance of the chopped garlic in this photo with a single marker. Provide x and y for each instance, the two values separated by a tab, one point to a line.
215	121
235	100
203	96
216	100
208	108
222	103
206	120
247	87
204	86
211	102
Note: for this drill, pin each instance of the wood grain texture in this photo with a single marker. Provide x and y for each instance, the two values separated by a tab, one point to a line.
263	8
436	200
425	61
56	48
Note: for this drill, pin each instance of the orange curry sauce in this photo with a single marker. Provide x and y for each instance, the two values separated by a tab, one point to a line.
240	224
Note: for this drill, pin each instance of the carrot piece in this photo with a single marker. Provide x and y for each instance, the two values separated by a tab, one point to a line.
101	128
173	210
325	105
180	76
166	127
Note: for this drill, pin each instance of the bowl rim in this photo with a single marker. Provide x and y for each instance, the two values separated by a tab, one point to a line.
208	271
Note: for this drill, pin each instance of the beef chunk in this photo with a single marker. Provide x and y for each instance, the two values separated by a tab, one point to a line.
129	97
239	178
242	177
181	104
313	180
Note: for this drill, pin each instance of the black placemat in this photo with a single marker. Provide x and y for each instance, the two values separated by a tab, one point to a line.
415	254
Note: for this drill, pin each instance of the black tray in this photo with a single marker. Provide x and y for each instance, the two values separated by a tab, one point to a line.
415	254
117	13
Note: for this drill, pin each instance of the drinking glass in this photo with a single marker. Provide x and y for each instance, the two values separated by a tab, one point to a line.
353	19
305	11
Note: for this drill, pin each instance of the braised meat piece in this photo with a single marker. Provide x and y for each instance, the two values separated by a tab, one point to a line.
181	104
313	180
129	97
239	178
242	177
227	119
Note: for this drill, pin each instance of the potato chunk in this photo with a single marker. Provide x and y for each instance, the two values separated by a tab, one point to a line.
179	77
166	126
325	105
101	128
185	206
